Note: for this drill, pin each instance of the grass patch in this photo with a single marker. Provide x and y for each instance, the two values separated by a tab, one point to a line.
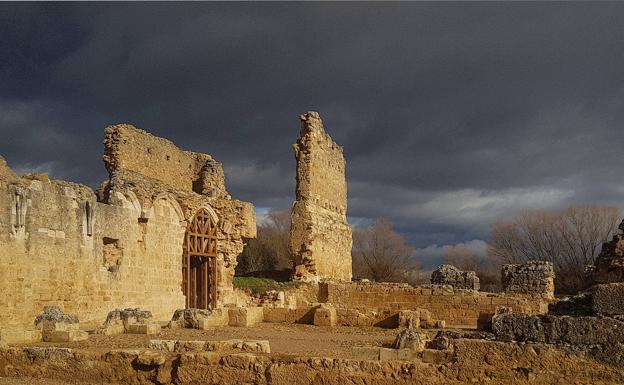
261	285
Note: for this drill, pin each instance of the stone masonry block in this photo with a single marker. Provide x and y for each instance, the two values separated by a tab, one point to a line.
325	315
65	336
148	328
245	316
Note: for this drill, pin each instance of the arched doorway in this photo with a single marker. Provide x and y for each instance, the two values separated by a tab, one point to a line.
199	265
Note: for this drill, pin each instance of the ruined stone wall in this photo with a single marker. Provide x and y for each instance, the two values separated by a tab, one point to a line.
83	256
321	238
134	151
532	277
147	167
450	275
456	307
61	244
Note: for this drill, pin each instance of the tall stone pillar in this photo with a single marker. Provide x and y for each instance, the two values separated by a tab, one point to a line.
320	237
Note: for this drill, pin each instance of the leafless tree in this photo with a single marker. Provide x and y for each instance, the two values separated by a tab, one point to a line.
270	249
570	239
381	254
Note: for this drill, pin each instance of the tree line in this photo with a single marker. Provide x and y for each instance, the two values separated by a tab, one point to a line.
571	239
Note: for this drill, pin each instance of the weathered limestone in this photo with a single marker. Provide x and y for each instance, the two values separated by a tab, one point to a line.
532	277
198	318
245	316
131	321
410	339
56	326
320	237
325	315
450	275
61	243
258	346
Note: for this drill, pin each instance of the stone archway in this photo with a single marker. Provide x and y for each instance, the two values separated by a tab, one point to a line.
199	266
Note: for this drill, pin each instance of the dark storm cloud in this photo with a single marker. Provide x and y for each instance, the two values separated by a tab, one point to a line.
452	115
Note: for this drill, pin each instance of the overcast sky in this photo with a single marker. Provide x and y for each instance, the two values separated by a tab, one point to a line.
452	115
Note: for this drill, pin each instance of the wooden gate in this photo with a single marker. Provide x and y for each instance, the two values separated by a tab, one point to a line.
199	266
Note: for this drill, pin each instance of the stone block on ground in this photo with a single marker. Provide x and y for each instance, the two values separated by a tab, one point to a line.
147	328
325	315
410	339
432	356
64	335
366	353
245	316
409	319
190	318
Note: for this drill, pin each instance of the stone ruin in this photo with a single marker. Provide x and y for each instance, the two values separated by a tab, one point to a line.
609	265
56	326
532	277
320	236
450	275
161	233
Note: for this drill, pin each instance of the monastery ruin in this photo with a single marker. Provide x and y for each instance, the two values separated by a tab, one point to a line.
133	283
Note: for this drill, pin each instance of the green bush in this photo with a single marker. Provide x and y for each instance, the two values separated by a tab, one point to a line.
261	285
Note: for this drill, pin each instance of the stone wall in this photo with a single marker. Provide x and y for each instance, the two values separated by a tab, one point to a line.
61	244
455	306
321	238
450	275
609	265
532	277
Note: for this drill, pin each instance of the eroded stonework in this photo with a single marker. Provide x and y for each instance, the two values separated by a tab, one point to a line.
62	244
320	237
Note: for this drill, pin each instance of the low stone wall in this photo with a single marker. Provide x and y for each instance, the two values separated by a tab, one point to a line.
450	275
474	361
457	307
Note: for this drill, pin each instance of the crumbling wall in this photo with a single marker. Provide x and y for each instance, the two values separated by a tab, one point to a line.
532	277
609	265
146	167
320	237
455	306
60	244
450	275
57	255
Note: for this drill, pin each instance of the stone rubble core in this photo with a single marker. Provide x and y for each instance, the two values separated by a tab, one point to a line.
56	326
609	264
450	275
61	243
590	322
131	321
178	346
532	277
320	236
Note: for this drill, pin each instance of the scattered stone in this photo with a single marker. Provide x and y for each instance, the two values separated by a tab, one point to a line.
245	316
130	320
189	318
56	326
410	339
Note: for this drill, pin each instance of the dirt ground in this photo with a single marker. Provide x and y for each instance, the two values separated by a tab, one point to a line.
287	339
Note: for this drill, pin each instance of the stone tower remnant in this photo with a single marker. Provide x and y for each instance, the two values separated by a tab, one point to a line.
320	237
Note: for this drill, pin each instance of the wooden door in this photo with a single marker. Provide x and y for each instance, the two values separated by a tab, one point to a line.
199	262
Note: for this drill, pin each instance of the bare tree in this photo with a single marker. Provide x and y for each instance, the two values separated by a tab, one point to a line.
570	239
269	251
380	253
